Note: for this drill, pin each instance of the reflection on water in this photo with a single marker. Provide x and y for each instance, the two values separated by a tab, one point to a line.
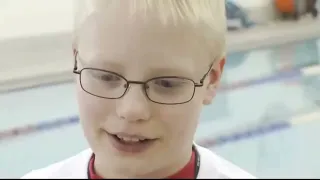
289	153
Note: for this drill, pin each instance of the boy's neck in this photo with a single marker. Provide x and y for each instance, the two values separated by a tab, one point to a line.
105	169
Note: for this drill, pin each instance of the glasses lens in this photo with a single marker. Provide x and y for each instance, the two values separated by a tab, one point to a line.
170	90
103	84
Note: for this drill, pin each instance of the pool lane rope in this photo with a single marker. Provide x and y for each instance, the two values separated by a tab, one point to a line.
209	141
260	130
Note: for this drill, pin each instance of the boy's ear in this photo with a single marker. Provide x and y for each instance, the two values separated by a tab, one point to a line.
214	81
221	64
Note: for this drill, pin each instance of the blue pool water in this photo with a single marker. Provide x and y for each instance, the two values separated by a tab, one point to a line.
289	153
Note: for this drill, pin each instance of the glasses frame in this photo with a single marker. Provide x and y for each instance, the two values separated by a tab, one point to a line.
143	83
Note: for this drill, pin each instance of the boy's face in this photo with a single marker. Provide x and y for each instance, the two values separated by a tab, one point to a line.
140	51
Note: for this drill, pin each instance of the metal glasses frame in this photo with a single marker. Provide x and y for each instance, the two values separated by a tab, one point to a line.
143	83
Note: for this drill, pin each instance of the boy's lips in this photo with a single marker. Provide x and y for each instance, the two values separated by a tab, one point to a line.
130	143
131	136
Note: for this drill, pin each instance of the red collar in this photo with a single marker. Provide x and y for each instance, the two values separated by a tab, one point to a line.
186	173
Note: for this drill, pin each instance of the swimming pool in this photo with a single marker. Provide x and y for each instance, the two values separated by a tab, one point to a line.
258	87
290	153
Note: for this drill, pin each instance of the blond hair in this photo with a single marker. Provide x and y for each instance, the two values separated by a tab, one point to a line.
210	13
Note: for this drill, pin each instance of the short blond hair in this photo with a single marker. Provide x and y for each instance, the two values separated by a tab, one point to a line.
211	13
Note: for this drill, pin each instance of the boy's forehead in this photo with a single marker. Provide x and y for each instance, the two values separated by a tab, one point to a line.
149	45
122	35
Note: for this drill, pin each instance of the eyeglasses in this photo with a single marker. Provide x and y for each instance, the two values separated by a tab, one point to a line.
169	90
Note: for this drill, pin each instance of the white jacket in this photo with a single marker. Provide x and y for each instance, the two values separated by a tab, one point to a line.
211	166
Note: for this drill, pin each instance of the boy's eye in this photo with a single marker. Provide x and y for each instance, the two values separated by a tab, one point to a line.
166	83
169	82
110	77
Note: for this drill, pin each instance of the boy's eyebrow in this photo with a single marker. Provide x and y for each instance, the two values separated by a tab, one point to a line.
152	71
159	69
106	65
171	71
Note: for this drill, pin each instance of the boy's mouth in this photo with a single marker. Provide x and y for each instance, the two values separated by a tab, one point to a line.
131	143
126	139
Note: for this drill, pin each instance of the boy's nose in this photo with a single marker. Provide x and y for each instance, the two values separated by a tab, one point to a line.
134	105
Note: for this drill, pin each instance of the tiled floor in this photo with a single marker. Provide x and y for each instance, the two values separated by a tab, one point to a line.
289	153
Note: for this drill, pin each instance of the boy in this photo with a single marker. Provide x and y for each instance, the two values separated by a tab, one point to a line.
144	70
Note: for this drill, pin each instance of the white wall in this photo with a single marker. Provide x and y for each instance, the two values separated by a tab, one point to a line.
35	39
20	18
